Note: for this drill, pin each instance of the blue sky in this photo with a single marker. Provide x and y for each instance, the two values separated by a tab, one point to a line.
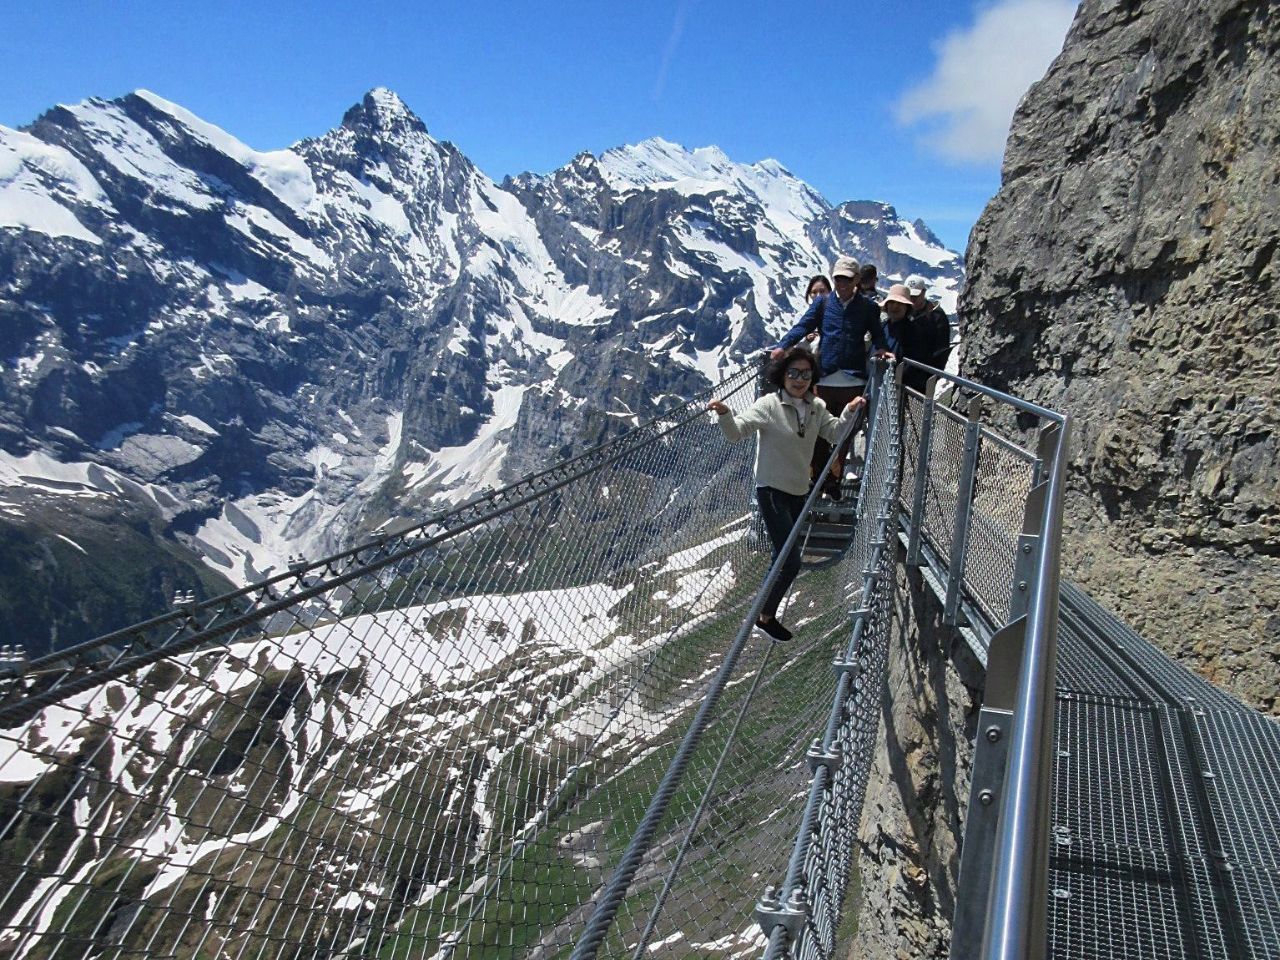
903	102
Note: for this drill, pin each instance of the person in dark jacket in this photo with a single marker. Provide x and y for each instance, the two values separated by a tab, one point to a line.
867	278
844	319
934	329
907	339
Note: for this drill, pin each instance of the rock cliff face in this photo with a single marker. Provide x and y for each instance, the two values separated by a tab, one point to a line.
918	789
1126	273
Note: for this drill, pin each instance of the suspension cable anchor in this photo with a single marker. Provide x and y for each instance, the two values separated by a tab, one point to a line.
853	665
770	912
831	759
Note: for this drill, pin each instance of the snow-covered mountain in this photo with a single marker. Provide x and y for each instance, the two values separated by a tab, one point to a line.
214	357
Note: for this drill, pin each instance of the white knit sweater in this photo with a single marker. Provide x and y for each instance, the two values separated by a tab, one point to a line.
782	455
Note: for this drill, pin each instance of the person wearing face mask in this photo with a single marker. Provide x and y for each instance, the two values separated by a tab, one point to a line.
845	318
819	286
788	421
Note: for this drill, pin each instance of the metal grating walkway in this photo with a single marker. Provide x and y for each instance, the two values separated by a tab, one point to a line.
1166	806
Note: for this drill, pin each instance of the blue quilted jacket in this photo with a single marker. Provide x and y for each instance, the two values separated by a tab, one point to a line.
843	326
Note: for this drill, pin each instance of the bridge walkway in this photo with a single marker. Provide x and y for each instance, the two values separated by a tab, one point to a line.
541	725
1166	810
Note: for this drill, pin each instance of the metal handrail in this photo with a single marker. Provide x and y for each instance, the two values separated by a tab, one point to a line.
1015	927
1006	444
1053	416
1016	922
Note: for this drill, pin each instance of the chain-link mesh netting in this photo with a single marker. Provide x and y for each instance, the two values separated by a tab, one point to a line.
1002	480
825	850
912	413
732	818
942	490
436	744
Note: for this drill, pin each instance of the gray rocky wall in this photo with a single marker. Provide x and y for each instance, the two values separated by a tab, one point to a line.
1126	273
919	785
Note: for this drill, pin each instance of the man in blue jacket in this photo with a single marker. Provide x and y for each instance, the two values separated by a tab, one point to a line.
843	319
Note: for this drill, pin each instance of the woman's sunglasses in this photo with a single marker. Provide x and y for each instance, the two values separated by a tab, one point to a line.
795	373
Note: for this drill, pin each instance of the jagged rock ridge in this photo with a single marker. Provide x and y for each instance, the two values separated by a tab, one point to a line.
234	355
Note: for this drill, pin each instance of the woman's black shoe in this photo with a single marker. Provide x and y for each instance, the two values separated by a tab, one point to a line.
774	629
831	490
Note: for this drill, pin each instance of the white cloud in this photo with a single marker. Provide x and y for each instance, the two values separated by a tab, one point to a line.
981	74
669	51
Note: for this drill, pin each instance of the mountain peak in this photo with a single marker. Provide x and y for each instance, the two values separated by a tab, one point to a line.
381	111
660	164
657	162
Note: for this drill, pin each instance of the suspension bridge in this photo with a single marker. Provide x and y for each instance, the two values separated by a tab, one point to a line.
541	725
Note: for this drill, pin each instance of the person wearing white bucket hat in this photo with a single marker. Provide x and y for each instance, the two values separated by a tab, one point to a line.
904	335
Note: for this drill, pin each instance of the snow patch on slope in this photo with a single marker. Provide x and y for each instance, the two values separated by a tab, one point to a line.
37	179
911	244
282	172
255	536
475	465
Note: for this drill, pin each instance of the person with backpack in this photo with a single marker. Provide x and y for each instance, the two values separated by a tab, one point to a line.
843	318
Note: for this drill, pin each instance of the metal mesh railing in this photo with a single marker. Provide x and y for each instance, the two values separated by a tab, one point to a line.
1002	481
445	743
805	913
1003	474
983	518
434	745
942	490
727	808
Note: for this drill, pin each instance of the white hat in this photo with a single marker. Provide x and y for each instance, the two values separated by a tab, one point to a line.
898	293
917	285
845	267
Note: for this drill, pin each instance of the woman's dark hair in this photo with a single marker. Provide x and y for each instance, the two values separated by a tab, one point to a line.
808	291
777	370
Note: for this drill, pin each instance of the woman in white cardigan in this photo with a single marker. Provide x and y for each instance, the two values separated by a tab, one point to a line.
788	420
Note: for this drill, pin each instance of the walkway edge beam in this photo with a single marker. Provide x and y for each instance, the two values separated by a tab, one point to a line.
1017	929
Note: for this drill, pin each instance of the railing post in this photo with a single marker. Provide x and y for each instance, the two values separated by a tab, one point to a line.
922	473
990	755
1027	557
1045	440
977	857
1018	916
964	511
